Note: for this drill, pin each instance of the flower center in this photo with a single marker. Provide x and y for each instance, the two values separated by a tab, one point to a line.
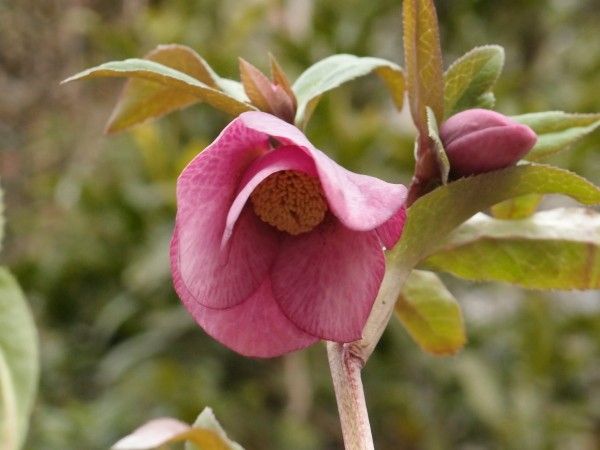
291	201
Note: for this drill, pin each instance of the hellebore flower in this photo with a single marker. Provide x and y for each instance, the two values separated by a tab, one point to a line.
275	245
480	140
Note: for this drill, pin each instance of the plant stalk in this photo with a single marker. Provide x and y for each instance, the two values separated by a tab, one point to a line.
345	372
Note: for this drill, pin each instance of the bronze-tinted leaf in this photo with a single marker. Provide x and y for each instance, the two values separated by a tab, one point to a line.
423	61
281	79
141	99
161	89
265	95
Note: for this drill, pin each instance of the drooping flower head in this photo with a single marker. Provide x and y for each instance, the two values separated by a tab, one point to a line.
275	245
480	140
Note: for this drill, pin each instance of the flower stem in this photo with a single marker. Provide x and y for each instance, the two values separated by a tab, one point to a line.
347	360
345	371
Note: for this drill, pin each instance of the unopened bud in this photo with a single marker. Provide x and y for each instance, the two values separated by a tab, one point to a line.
274	97
480	140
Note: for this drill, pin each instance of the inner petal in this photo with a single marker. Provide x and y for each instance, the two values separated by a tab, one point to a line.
291	201
361	202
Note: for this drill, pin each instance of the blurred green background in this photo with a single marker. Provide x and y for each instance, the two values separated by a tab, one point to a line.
89	219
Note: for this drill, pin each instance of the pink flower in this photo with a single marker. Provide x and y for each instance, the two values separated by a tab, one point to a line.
480	140
275	245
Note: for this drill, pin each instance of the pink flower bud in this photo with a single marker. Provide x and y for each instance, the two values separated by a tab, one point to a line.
480	140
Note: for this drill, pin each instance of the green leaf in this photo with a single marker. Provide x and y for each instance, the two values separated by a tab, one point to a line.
432	217
203	435
423	61
557	130
517	208
470	79
431	314
160	88
556	249
333	71
487	100
142	99
19	367
208	421
280	78
438	147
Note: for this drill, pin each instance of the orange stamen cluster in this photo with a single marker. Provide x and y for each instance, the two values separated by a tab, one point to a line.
290	201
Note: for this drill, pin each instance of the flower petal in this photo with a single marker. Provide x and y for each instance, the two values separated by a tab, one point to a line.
216	277
256	327
389	233
360	202
326	281
283	158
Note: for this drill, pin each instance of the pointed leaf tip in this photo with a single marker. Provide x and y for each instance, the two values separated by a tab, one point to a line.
156	89
423	61
280	78
469	80
256	84
207	420
335	70
265	95
557	130
431	314
205	434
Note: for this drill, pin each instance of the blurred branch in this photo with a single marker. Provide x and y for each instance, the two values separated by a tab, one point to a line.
298	386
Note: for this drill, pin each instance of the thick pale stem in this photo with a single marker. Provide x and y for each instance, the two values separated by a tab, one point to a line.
347	360
345	371
395	276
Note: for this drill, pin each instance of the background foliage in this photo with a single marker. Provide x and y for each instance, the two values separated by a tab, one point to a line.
89	220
